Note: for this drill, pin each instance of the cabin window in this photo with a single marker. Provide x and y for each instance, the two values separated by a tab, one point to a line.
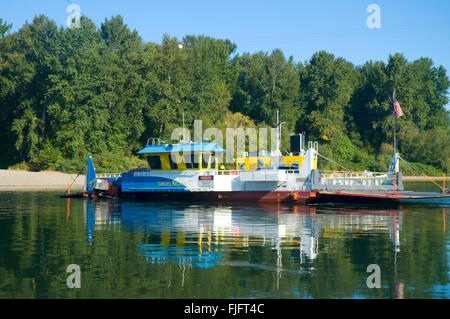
191	161
213	160
154	161
173	164
205	160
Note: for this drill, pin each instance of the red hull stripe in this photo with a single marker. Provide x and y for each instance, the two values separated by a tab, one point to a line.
245	196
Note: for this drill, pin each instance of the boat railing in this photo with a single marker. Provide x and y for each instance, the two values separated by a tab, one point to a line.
108	175
352	174
238	172
226	172
351	178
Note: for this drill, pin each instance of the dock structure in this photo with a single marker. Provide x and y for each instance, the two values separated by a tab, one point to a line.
377	197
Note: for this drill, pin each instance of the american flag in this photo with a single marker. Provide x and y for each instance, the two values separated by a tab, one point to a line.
397	109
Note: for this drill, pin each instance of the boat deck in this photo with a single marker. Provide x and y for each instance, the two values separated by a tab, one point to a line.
385	197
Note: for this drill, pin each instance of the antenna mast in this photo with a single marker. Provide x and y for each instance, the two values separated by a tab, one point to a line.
277	150
184	133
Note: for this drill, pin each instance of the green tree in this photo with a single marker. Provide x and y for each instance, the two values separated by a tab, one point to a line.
421	90
28	124
211	75
168	86
265	83
4	27
68	93
326	87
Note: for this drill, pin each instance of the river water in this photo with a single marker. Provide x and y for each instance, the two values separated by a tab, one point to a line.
130	249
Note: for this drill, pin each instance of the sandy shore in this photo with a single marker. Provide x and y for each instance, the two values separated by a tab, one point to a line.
45	180
423	178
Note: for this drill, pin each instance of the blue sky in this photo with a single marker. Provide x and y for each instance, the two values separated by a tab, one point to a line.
299	28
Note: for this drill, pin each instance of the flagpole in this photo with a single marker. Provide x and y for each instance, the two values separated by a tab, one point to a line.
394	133
393	101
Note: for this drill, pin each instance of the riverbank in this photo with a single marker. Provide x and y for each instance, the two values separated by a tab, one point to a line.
45	180
423	178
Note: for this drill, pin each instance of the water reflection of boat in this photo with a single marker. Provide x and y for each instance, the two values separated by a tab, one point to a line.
200	235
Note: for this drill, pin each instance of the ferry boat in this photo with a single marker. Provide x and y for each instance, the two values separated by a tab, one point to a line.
195	175
191	172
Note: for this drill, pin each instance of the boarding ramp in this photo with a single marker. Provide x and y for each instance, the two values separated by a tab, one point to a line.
356	181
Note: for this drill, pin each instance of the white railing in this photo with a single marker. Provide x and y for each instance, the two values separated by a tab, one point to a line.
226	172
350	174
238	172
356	178
108	175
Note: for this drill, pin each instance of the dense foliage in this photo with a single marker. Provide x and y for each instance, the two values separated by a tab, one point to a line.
69	93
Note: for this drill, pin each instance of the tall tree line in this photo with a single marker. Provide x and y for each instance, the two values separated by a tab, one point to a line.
69	93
